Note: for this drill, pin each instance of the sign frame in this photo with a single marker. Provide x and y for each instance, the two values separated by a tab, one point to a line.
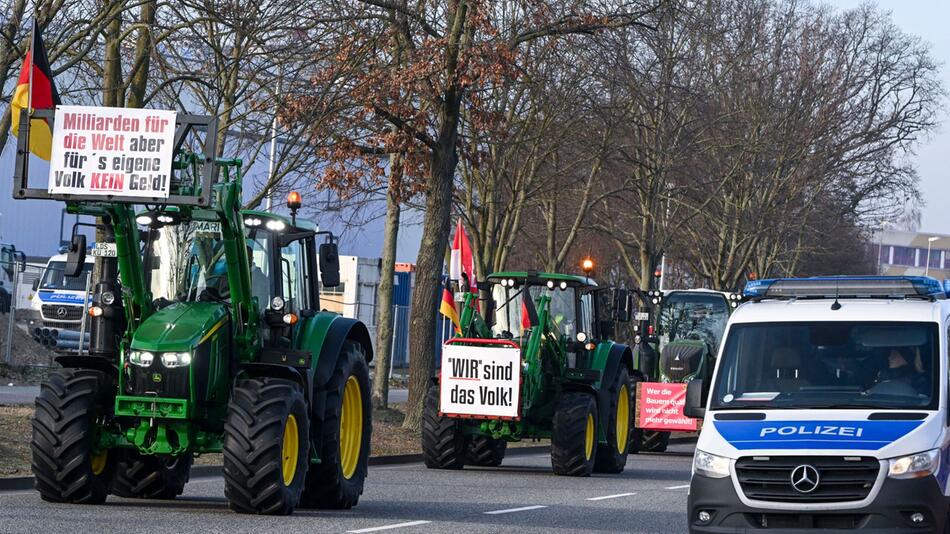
483	342
185	125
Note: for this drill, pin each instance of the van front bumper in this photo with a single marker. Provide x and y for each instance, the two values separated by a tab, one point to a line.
890	512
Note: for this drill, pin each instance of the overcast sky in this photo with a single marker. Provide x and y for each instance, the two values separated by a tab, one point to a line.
929	19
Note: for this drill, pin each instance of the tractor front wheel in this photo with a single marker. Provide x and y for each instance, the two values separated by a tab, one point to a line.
337	481
654	441
574	434
266	446
139	476
444	444
612	456
66	463
484	451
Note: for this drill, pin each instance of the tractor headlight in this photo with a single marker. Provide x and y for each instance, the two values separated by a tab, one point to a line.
275	225
915	466
563	286
710	465
277	303
142	358
550	284
107	298
582	337
176	359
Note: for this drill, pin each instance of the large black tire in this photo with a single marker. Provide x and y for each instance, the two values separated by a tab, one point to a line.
139	476
267	428
444	444
329	485
612	456
484	451
70	405
574	434
654	441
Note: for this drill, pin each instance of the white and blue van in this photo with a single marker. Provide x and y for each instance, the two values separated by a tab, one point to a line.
827	410
60	300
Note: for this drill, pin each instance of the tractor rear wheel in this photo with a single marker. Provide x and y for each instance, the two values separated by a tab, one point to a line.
140	476
66	463
612	456
266	446
484	451
444	444
654	441
337	481
574	434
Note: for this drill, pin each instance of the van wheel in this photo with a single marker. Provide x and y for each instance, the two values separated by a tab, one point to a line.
574	434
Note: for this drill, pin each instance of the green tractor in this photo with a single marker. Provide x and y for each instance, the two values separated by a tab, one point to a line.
542	366
679	340
206	337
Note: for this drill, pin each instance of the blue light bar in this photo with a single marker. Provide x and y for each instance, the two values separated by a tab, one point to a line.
848	287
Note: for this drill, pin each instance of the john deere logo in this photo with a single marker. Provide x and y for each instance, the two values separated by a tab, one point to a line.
156	377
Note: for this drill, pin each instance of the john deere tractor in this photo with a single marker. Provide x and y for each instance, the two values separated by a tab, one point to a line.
542	366
207	337
678	340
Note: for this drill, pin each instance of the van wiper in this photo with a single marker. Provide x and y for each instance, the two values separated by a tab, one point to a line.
845	406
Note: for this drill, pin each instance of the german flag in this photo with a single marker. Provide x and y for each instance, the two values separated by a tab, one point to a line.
44	96
447	308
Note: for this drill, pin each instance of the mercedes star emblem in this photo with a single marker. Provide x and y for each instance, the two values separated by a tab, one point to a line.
61	312
804	478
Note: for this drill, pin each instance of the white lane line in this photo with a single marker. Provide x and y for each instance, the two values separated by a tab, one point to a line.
512	510
389	527
684	486
605	497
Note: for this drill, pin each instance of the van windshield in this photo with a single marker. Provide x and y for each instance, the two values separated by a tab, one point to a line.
54	277
828	365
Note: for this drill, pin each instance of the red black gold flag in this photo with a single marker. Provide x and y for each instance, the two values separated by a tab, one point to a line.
44	96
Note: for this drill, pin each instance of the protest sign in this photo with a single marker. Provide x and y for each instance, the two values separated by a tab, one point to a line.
120	152
660	407
480	381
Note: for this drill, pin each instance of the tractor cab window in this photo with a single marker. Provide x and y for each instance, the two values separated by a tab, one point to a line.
511	317
693	315
293	280
563	310
586	323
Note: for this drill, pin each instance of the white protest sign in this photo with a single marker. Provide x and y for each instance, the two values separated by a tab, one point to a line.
121	152
480	381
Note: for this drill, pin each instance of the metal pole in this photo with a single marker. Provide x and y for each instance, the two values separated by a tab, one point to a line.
662	271
85	313
927	267
392	342
12	312
271	165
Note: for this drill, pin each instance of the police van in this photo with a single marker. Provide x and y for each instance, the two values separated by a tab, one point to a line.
827	410
59	300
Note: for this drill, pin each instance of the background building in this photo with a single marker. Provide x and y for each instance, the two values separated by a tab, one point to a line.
906	253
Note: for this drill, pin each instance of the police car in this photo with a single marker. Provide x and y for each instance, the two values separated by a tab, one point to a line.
827	410
59	299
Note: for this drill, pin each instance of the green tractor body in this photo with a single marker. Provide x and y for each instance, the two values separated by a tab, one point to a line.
679	341
548	336
207	337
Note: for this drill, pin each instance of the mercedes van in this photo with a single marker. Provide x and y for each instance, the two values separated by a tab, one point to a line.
827	410
60	300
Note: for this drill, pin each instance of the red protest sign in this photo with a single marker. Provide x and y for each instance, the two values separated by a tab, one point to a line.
660	407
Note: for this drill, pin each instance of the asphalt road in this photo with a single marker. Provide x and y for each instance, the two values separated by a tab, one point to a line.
10	395
521	496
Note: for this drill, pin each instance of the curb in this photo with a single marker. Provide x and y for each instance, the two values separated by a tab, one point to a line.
207	471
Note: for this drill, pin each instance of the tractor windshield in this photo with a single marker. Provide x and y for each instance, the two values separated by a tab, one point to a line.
511	317
186	262
693	315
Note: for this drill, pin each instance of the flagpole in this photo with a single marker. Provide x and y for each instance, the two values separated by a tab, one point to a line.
29	87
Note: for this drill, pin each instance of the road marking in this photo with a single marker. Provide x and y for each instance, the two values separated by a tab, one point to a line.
684	486
617	496
511	510
389	527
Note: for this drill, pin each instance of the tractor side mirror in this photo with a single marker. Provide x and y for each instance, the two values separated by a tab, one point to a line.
695	399
36	284
76	257
20	258
329	265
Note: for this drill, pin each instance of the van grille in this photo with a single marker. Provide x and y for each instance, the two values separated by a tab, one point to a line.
841	479
69	313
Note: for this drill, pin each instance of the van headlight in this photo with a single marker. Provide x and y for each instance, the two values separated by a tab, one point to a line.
176	359
915	466
142	358
710	465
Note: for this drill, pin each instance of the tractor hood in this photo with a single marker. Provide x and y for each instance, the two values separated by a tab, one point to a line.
179	327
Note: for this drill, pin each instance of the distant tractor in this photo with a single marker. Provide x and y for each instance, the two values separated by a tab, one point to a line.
679	341
206	337
542	366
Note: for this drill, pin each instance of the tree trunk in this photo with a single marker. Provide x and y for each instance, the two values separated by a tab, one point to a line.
435	236
384	294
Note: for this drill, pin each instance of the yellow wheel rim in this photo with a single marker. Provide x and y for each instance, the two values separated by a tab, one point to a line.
289	450
589	437
623	419
98	462
351	427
